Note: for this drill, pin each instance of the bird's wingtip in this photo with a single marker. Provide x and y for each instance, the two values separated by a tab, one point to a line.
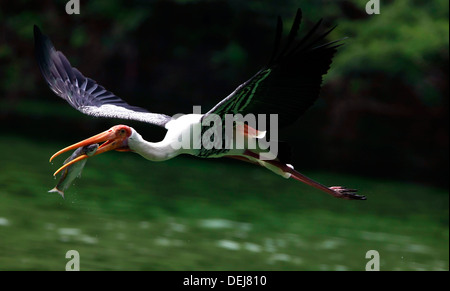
36	30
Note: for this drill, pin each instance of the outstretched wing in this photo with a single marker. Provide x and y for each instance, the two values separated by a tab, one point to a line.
84	94
291	81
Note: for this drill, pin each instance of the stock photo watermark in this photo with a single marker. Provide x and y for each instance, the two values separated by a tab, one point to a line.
372	265
374	260
219	133
73	7
373	7
74	263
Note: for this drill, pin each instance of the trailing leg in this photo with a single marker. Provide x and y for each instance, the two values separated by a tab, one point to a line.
288	171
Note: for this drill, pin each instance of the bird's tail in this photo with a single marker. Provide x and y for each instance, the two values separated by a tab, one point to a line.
58	191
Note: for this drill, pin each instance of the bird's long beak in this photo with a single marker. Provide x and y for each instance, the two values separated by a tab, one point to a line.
110	141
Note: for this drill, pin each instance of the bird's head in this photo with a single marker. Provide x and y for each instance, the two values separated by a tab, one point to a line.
115	138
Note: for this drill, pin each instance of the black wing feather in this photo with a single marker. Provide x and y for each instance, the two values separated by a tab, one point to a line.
82	93
291	81
294	31
277	43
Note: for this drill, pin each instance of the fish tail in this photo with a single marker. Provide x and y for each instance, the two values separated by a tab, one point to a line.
58	191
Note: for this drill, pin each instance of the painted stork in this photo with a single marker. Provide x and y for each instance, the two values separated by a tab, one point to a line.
287	86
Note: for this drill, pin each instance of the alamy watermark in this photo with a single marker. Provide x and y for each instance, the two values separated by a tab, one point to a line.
374	263
232	131
74	263
373	7
73	7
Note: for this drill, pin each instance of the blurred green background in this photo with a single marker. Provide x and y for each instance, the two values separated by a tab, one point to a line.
381	125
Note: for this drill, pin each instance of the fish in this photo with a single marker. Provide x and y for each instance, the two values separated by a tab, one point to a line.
70	173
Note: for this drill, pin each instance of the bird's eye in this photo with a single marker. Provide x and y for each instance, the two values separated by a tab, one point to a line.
122	131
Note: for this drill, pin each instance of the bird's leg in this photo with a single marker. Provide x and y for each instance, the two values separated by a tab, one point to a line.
336	191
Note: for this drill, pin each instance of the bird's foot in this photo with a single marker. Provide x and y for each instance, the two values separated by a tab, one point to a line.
345	193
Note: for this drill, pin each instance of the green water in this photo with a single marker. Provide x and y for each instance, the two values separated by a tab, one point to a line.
126	213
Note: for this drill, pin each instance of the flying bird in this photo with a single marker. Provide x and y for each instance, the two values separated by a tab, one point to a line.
285	87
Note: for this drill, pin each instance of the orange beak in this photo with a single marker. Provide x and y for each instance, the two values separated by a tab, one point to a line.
111	141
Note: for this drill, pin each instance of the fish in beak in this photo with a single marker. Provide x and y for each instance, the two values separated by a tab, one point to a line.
70	173
116	138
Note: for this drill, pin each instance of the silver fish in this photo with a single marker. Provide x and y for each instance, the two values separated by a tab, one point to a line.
70	173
